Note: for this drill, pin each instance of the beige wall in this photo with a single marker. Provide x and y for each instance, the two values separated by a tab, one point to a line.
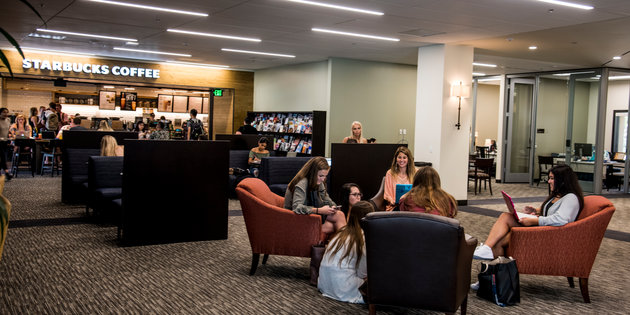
380	95
488	99
618	98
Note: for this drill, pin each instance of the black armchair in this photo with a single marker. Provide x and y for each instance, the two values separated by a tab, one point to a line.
417	260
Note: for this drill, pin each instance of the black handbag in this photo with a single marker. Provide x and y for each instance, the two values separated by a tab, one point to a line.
317	253
499	282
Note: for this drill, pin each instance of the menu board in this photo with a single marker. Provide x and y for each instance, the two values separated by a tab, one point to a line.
195	102
107	100
165	103
206	105
128	100
180	104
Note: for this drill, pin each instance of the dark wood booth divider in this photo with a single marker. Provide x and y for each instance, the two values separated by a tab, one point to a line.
241	142
82	144
362	164
174	191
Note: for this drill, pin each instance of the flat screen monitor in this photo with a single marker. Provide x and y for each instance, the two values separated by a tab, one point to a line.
583	149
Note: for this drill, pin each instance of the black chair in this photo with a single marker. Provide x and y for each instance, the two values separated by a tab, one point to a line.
545	163
429	266
378	201
23	156
481	171
51	158
482	151
104	185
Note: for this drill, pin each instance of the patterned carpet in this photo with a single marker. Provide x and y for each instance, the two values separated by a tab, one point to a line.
58	262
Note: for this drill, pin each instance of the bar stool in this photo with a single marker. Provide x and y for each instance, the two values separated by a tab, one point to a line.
22	155
49	159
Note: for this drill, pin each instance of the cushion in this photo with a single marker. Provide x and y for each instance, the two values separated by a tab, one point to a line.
109	193
279	189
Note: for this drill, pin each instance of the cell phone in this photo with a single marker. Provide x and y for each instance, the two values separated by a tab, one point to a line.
337	207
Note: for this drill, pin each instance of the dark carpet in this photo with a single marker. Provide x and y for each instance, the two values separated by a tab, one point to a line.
58	262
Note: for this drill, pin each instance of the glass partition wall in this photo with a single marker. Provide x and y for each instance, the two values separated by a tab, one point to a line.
567	117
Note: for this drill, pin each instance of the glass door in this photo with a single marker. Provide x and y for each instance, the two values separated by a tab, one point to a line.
518	124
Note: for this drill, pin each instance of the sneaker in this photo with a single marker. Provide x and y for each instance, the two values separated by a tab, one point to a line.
483	252
475	286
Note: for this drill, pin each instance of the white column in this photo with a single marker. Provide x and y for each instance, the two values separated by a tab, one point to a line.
437	139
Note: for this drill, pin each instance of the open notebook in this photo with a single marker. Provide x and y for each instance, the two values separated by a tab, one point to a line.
510	205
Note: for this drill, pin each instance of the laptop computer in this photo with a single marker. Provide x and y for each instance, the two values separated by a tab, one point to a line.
510	205
401	189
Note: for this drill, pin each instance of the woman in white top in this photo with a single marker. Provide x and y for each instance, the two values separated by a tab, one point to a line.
343	268
561	207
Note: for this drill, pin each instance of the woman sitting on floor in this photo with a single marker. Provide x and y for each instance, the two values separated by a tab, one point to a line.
306	194
561	207
427	195
343	268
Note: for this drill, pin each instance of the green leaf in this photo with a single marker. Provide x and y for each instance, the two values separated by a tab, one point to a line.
32	8
12	41
5	61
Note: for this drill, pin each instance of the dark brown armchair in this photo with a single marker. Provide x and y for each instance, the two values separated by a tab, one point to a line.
273	230
417	260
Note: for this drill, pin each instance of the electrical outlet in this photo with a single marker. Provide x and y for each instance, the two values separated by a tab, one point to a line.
404	131
400	131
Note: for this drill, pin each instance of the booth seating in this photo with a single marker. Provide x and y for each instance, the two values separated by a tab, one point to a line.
417	260
277	172
567	250
75	172
273	230
104	185
238	159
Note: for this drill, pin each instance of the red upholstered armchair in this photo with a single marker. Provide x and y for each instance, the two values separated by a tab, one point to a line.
567	250
273	230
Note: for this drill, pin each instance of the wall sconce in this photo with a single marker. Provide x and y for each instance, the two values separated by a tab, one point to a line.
459	91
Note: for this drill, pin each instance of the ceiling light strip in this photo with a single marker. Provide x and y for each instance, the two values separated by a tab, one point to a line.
257	53
148	7
199	65
86	35
478	74
355	34
338	7
152	52
569	4
479	64
619	77
213	35
54	52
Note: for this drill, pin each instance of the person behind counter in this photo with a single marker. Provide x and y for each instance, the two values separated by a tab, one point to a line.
306	194
355	133
109	147
427	195
256	154
562	206
343	268
402	171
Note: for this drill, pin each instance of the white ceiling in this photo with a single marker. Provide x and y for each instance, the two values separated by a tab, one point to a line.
500	31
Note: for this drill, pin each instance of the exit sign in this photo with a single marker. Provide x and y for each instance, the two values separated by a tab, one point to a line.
218	92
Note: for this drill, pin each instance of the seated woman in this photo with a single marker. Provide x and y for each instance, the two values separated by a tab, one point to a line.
343	268
104	126
350	194
401	172
561	207
141	130
306	194
20	129
256	154
109	147
356	134
427	195
159	133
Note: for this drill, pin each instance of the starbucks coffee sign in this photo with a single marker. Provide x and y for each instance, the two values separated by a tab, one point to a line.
90	68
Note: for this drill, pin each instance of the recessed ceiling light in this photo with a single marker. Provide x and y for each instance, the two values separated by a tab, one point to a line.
489	65
214	35
152	52
533	47
569	4
617	57
339	7
257	52
198	65
354	34
148	7
108	86
87	35
478	74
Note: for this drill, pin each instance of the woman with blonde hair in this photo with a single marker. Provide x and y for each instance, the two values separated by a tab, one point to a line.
356	133
109	147
104	126
343	268
306	194
427	195
20	128
401	172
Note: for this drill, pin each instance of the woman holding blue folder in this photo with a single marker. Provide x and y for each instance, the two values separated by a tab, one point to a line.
401	172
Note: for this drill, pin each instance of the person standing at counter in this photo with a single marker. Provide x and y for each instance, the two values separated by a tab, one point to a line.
63	117
194	126
52	119
356	133
34	119
5	123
